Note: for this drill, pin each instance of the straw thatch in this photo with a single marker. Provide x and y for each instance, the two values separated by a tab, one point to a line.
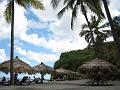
19	66
97	65
64	71
42	68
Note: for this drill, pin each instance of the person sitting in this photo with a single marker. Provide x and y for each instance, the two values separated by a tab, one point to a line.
3	81
25	81
16	80
36	80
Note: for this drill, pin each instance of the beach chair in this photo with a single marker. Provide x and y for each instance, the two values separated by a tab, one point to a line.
36	80
4	82
24	81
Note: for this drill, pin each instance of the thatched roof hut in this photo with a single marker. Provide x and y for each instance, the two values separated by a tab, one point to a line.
97	65
42	68
19	66
64	71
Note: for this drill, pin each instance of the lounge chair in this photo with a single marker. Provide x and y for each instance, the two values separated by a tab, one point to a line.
24	81
6	83
36	80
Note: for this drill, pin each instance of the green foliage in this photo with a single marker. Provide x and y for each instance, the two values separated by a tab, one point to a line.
73	59
37	4
116	21
97	35
76	5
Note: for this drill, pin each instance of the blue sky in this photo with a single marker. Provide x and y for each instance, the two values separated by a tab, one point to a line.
40	36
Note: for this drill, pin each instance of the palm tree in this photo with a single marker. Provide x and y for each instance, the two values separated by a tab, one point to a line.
97	32
75	5
113	28
9	16
116	22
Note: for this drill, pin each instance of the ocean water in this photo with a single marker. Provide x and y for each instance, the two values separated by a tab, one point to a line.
20	76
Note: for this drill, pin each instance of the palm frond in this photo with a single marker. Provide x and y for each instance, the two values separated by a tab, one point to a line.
34	3
88	38
60	14
108	32
84	32
104	25
65	1
8	13
74	15
67	6
102	35
19	2
84	26
71	3
95	7
55	3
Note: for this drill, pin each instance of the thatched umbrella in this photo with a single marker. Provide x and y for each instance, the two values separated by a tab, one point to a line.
97	65
42	68
98	70
63	71
19	66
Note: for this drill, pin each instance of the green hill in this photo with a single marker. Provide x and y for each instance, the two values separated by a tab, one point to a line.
73	59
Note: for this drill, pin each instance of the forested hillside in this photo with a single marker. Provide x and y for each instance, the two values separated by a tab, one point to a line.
73	59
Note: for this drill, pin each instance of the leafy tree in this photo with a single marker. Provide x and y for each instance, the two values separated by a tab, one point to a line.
9	16
116	21
98	31
75	5
73	59
83	5
113	28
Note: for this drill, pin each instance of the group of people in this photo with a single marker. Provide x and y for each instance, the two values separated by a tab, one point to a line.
26	79
4	81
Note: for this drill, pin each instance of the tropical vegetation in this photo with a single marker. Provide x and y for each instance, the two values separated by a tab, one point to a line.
83	5
76	5
73	59
98	31
94	6
9	16
113	27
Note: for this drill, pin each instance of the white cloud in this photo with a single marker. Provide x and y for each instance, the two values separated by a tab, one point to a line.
37	25
114	5
37	56
63	38
3	56
4	27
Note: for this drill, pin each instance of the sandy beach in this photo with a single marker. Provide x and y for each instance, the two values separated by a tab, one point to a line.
64	85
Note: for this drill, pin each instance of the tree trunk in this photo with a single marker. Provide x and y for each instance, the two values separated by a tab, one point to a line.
113	29
12	45
85	14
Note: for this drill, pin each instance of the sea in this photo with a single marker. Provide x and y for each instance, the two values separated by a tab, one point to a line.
20	76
